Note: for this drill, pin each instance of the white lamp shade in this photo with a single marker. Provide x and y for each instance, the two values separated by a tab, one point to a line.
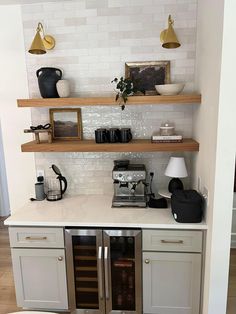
176	168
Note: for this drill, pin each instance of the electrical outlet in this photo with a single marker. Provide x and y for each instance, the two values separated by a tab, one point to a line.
39	173
199	184
205	194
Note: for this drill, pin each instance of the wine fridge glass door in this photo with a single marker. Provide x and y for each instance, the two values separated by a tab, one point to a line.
122	268
87	259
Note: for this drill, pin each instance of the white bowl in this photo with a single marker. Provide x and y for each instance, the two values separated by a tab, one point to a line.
170	89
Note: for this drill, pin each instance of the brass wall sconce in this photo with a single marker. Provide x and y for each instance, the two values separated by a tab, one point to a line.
41	44
168	37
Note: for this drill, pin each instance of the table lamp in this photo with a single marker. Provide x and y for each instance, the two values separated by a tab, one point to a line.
176	169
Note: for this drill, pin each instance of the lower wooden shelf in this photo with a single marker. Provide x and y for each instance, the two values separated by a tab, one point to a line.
142	145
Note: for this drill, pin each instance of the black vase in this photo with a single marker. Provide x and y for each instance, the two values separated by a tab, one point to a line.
47	79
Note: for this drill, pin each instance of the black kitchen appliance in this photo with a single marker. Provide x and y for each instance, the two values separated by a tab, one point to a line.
187	206
55	190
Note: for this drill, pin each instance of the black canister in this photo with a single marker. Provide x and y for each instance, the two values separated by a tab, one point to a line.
125	135
101	136
113	135
47	79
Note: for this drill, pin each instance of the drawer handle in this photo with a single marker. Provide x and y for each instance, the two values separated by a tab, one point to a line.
60	258
36	238
173	241
147	261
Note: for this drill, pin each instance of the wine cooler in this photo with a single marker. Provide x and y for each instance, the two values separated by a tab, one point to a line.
104	271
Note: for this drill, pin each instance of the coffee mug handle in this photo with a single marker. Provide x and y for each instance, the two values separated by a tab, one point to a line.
130	136
105	137
117	136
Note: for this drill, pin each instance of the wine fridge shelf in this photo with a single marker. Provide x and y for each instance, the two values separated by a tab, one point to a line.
84	289
86	268
87	305
86	279
85	247
86	258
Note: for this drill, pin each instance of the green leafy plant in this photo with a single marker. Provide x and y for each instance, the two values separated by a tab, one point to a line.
125	88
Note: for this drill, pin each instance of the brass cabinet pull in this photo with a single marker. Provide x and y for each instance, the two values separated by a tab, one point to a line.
173	241
36	238
147	261
60	258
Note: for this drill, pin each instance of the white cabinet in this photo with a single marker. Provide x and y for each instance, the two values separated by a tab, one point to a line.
171	280
39	273
171	283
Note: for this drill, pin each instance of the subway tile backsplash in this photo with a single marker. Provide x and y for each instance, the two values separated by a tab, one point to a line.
94	39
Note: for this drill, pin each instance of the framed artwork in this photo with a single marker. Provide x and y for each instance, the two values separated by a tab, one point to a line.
66	123
146	74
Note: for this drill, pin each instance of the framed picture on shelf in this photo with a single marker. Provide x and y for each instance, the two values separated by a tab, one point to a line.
146	74
66	124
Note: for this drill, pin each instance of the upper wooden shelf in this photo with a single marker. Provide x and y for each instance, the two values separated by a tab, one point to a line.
109	101
141	145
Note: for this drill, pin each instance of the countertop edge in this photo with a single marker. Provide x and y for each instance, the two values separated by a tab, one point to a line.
186	226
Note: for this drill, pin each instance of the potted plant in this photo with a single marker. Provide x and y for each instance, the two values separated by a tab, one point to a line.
124	88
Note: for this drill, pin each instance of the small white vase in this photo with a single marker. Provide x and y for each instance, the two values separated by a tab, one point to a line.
63	88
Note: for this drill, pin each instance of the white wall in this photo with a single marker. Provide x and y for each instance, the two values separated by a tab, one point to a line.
4	198
94	39
214	128
20	168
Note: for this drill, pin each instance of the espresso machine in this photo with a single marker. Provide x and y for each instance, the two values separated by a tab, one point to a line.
129	181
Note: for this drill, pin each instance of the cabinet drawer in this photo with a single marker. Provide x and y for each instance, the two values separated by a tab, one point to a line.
36	237
172	240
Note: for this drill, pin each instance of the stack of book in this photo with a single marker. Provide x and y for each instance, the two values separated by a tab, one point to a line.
175	138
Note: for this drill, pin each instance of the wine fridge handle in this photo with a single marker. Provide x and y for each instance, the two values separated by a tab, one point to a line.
106	266
100	272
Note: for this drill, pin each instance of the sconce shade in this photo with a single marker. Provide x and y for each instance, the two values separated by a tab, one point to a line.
176	168
168	37
37	46
41	44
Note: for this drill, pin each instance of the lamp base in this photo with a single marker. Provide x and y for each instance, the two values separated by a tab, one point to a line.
175	184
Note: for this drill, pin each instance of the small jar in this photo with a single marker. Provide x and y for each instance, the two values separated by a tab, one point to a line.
167	129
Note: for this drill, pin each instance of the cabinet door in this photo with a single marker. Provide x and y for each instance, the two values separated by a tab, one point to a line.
40	278
171	283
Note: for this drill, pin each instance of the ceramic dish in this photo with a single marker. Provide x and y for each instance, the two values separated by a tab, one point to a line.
170	89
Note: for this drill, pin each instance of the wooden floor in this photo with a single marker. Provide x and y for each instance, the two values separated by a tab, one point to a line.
7	290
231	308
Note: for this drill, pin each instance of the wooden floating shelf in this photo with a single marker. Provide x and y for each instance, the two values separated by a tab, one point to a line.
142	145
110	101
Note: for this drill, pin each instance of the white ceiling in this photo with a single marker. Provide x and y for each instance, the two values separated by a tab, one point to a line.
10	2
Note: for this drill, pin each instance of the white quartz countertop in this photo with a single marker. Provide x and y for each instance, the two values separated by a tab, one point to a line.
94	211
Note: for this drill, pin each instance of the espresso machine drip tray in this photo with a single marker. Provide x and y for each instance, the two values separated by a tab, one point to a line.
129	201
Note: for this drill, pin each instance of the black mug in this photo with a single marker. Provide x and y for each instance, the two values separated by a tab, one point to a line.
113	135
125	135
101	136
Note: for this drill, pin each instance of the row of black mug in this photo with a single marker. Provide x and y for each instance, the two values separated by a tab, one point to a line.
113	135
